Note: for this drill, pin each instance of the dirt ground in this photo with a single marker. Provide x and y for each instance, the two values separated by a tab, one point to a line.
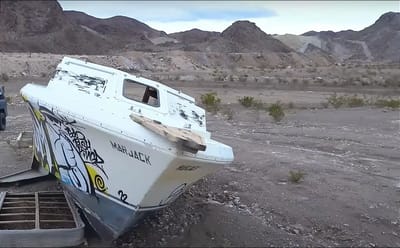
349	195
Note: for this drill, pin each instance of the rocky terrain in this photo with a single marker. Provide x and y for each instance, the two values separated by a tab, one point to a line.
378	42
347	194
232	70
327	174
42	26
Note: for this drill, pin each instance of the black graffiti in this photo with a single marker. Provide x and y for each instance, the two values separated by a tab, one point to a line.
122	196
133	154
60	149
81	143
197	117
83	146
68	129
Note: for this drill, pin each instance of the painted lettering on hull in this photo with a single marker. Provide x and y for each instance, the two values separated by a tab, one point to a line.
131	153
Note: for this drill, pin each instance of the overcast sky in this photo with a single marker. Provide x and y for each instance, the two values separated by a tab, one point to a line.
273	17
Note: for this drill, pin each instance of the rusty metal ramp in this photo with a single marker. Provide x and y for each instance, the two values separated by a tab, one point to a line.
39	219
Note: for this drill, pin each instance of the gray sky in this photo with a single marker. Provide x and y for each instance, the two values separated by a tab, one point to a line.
273	17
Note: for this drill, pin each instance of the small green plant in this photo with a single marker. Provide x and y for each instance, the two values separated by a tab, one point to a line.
388	103
276	111
296	176
355	101
211	101
8	99
247	101
336	101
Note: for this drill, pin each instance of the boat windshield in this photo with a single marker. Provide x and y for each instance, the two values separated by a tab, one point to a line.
141	93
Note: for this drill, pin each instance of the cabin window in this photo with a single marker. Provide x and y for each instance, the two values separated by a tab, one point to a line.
141	93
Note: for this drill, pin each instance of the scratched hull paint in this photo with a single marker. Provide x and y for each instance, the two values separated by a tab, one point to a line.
114	168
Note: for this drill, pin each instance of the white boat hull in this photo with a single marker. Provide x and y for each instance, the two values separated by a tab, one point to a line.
95	163
114	167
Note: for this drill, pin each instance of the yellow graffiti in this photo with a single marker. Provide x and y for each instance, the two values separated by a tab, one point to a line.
24	98
96	179
38	115
57	172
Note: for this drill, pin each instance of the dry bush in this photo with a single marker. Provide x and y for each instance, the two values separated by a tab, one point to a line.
296	176
211	101
276	111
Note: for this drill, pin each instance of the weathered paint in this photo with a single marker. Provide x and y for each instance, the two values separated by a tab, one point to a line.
84	136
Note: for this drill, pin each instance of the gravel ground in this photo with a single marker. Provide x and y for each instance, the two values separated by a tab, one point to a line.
349	195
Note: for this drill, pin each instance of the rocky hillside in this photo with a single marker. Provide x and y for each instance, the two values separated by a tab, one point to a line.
123	30
250	38
379	42
41	26
194	36
240	37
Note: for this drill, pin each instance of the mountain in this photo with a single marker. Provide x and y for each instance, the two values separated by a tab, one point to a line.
41	26
240	37
251	38
383	37
121	29
194	36
378	42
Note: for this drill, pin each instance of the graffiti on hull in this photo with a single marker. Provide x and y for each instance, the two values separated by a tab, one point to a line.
63	149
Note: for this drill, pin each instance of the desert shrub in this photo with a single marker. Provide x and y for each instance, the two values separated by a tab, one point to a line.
4	77
249	101
220	76
246	101
8	99
336	101
355	101
276	111
296	176
388	103
348	101
211	101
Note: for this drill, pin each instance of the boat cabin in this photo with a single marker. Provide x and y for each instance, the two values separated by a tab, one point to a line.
120	89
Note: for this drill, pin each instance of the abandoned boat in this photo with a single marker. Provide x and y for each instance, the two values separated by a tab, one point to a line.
120	144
